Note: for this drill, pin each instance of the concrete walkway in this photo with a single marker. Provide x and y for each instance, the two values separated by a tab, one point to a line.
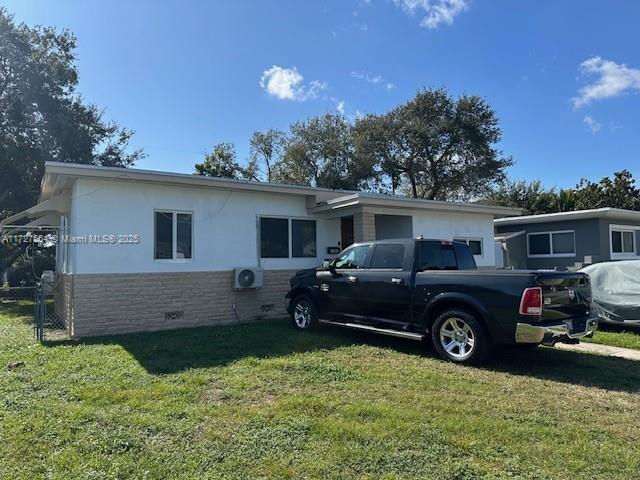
606	350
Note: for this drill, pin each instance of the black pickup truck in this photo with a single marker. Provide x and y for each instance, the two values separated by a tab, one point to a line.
431	289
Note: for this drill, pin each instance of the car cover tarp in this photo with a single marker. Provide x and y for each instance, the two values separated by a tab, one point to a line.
616	290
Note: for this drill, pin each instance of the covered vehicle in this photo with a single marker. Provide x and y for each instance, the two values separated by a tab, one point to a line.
615	287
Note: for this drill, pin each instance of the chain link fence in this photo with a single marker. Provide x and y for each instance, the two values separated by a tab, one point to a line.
51	311
46	301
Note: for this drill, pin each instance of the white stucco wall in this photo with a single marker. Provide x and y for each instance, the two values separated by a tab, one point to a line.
224	227
450	225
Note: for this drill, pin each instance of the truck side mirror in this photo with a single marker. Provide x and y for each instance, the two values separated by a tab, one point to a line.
326	264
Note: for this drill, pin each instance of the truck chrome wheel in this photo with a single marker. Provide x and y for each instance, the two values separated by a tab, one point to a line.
457	338
302	313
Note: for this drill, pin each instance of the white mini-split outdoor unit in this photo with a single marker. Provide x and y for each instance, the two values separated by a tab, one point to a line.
247	277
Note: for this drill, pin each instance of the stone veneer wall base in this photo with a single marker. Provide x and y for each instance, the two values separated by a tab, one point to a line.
105	304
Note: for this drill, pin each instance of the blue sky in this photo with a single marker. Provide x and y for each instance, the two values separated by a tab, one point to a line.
563	76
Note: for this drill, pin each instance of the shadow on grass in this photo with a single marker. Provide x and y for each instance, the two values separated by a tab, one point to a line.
172	351
619	328
23	309
177	350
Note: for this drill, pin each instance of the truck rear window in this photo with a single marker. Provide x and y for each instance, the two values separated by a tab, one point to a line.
436	256
464	256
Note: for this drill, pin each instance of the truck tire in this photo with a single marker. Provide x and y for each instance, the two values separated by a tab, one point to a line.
304	313
458	336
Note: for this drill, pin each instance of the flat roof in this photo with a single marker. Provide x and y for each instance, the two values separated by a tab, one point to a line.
608	213
393	201
58	176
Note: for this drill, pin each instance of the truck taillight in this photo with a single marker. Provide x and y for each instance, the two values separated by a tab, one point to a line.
531	301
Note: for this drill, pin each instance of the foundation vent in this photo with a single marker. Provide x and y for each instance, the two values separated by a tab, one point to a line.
177	315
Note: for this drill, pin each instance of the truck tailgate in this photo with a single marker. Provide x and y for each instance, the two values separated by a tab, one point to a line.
565	295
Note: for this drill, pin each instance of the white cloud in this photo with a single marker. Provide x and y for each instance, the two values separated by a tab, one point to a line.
613	79
340	107
593	125
436	12
288	84
372	79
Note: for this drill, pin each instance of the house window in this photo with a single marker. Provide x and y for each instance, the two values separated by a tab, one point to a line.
623	241
274	237
303	238
552	244
287	238
173	236
475	244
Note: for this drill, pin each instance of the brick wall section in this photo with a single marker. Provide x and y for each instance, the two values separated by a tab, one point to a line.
364	227
106	304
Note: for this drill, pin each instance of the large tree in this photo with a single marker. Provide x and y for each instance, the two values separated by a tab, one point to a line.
221	162
531	197
266	148
443	148
619	192
41	115
320	152
42	118
374	139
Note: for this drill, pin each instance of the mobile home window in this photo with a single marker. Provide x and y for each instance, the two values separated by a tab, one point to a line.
173	236
274	237
303	238
622	241
552	243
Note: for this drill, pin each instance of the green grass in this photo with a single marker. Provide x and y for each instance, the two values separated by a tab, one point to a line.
617	337
264	401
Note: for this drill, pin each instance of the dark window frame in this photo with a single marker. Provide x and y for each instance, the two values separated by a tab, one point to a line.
549	235
290	236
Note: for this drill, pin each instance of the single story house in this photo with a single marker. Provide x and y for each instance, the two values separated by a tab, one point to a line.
145	250
567	239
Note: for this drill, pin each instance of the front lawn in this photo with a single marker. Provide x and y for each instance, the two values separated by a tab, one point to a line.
617	337
264	401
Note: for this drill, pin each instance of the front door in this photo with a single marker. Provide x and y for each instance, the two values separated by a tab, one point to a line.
346	232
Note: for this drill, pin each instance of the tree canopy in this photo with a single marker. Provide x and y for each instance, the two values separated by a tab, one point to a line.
41	115
434	146
617	192
222	162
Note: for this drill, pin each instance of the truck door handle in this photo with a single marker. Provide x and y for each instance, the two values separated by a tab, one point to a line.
397	281
353	279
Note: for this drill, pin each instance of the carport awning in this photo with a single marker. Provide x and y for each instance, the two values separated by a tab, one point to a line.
44	214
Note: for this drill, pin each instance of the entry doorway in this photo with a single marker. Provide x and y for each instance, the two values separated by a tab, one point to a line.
346	232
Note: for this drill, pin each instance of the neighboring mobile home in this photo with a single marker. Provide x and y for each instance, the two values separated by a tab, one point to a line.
568	239
144	250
